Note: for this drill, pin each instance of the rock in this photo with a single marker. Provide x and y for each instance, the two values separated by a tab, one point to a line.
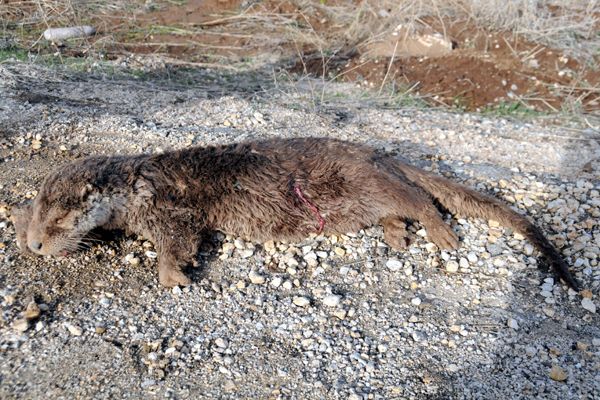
74	329
148	383
340	314
131	259
452	368
431	247
239	244
518	236
276	282
100	330
339	251
382	348
222	343
416	301
512	323
301	301
588	305
20	325
331	300
32	311
472	257
247	253
269	246
105	302
393	265
463	263
452	266
177	291
582	346
256	278
151	254
229	386
558	374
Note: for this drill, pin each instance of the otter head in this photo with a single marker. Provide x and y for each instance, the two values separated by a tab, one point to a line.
67	207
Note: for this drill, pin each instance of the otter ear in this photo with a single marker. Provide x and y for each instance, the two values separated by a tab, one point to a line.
86	190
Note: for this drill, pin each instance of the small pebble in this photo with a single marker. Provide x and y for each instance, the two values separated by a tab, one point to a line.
331	300
74	329
512	323
20	325
588	305
452	266
256	278
151	254
558	374
32	311
394	265
301	301
276	282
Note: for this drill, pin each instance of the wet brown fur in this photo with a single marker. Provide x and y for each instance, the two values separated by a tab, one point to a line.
251	190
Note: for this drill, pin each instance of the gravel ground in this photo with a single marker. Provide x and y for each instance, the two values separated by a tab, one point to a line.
341	317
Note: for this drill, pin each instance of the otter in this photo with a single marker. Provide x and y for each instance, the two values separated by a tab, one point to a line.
276	189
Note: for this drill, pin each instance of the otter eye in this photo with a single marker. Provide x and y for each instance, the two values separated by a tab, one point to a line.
59	221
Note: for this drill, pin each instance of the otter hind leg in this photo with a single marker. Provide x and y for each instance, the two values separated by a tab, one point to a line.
394	232
440	232
402	200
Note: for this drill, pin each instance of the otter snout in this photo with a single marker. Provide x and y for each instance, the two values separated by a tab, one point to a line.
35	246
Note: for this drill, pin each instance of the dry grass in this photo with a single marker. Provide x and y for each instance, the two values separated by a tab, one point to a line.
326	28
571	25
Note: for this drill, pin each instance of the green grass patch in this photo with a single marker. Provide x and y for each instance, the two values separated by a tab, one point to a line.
512	109
13	53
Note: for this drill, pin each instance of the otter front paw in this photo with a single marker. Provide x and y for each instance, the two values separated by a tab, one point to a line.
20	217
171	276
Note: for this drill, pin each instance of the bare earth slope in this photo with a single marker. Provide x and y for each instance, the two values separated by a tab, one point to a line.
330	317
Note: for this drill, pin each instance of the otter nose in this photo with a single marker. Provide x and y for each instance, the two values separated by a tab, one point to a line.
35	245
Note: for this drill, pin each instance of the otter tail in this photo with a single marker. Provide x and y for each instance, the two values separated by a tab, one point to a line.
459	199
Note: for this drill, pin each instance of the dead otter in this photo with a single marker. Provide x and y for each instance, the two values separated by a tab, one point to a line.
273	189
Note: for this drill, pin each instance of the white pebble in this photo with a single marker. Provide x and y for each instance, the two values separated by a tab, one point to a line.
246	253
332	300
256	278
393	265
151	254
74	329
416	301
300	301
431	247
452	266
512	323
472	257
276	282
589	305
